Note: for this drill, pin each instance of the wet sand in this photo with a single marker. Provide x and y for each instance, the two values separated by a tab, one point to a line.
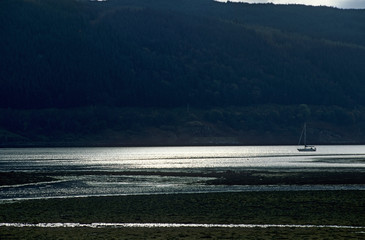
246	177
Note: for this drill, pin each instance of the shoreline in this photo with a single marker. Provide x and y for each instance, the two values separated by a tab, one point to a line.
165	144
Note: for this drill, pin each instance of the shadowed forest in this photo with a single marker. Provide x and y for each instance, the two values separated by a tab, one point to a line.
179	72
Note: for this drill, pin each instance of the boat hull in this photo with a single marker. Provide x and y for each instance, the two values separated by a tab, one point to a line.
307	149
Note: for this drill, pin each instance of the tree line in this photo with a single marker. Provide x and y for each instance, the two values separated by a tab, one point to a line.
78	53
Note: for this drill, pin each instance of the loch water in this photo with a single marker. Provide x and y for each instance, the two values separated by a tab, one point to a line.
61	163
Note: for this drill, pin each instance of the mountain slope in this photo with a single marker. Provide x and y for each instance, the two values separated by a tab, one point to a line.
208	56
79	53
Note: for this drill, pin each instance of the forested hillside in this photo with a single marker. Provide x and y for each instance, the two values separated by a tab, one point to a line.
123	72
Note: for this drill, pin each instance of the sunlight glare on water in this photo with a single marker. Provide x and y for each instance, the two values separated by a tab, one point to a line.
106	171
30	159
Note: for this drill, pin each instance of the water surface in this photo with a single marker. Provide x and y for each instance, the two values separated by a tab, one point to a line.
62	162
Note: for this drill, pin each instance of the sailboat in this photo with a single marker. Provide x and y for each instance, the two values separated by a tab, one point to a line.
305	148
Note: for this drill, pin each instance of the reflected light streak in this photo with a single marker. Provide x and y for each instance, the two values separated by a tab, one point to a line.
171	225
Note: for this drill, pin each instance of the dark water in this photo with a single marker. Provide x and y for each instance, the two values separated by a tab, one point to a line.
165	159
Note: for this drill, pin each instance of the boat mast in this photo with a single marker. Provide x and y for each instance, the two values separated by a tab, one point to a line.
305	134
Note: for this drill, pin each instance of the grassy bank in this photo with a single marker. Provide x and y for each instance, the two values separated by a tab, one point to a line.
179	233
312	207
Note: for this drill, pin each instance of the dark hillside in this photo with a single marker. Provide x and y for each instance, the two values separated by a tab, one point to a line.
178	57
317	22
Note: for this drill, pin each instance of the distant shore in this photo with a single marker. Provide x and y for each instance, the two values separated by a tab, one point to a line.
219	141
126	127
